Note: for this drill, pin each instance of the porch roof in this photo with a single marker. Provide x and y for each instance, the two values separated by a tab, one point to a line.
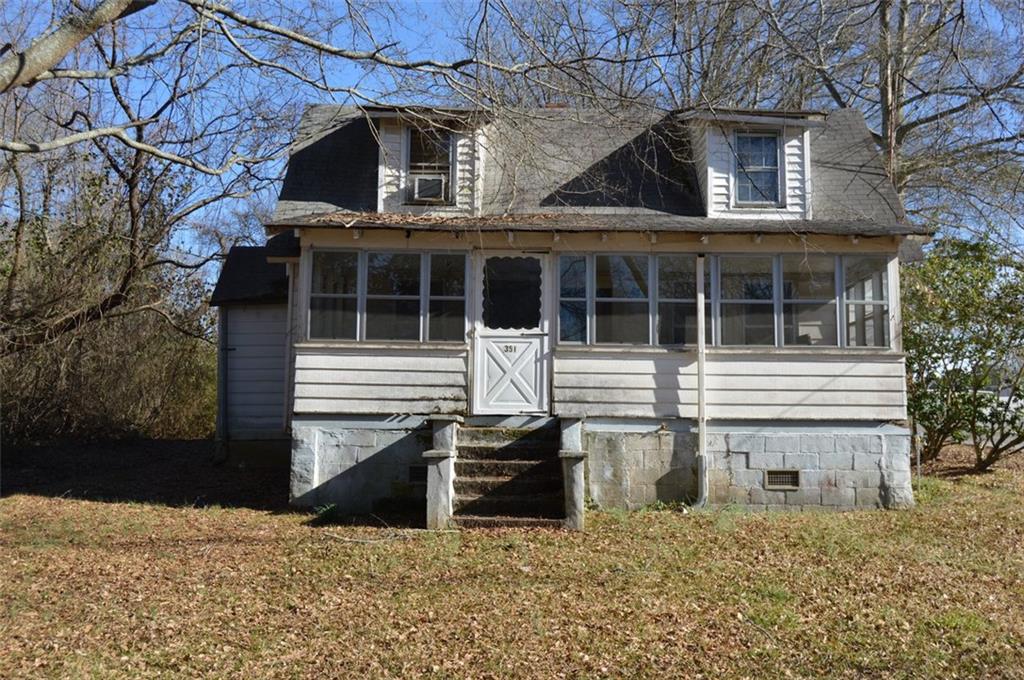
628	220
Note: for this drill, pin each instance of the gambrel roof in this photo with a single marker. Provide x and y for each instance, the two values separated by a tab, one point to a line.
567	170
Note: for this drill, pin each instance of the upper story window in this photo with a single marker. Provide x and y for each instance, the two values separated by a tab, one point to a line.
429	168
388	296
757	170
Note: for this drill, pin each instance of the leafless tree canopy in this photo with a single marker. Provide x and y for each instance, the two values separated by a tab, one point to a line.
184	108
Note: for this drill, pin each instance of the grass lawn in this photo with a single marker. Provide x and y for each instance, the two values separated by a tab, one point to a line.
130	589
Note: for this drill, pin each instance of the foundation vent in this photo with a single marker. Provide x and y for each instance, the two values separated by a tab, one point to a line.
782	479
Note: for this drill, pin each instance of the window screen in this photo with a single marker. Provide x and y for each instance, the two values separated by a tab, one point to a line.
747	292
333	303
622	306
866	298
809	307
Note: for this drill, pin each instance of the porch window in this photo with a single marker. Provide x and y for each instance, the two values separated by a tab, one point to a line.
809	300
622	309
757	169
393	296
677	300
747	299
447	306
333	304
866	300
430	166
387	296
572	308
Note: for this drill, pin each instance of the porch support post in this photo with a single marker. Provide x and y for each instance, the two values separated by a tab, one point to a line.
441	470
573	459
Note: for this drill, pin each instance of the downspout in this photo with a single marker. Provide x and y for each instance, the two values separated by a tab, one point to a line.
222	385
702	434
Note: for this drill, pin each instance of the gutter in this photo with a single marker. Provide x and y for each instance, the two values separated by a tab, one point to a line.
702	434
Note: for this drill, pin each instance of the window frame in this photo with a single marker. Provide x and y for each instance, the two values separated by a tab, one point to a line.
714	302
780	157
651	299
773	302
836	299
362	296
409	175
887	302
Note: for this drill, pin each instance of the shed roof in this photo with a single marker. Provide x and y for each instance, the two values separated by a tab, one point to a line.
247	278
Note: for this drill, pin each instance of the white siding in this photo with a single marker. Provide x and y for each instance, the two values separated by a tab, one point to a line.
256	372
380	380
739	386
619	384
393	155
721	170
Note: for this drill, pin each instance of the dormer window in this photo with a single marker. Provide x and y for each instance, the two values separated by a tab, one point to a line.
757	170
429	168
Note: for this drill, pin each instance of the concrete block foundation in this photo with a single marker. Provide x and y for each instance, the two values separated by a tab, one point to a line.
634	463
356	463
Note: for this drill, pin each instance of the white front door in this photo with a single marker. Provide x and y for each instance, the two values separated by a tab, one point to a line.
511	343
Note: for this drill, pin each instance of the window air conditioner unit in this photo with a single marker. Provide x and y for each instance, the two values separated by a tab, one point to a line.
429	188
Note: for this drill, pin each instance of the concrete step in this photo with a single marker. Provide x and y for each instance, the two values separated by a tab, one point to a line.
489	522
507	485
506	468
513	451
550	505
548	434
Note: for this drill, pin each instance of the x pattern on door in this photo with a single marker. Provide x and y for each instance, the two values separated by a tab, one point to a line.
511	373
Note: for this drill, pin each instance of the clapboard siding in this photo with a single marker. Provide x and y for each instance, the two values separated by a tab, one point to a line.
625	385
720	154
257	343
380	381
806	387
767	386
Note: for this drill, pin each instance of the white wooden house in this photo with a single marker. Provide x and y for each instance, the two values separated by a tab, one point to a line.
496	319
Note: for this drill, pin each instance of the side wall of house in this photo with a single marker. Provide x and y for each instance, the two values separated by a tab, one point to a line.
257	350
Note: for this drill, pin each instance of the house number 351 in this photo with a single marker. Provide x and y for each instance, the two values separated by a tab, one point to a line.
509	349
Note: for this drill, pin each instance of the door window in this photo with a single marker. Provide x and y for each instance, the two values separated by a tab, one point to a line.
512	293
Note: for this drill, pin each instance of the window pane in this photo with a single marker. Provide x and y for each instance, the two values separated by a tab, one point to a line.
810	324
808	277
746	278
392	274
332	318
429	150
512	292
677	323
448	275
335	273
677	277
572	321
757	186
447	320
622	322
757	151
621	276
573	276
392	319
867	325
746	324
867	277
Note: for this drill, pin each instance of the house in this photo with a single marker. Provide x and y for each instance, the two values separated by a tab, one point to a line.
498	317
